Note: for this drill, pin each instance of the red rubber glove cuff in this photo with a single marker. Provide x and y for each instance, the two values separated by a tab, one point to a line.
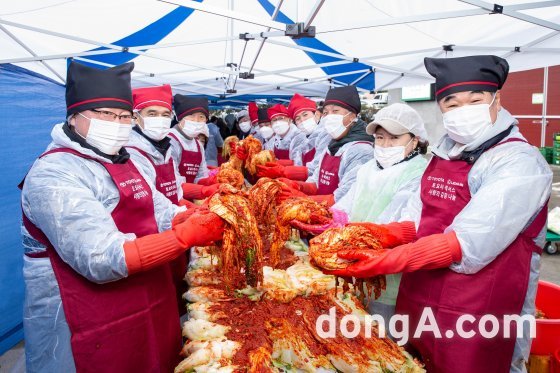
308	188
208	180
404	231
150	251
430	252
285	162
298	173
196	191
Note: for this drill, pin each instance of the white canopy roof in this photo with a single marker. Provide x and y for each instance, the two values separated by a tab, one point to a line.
374	44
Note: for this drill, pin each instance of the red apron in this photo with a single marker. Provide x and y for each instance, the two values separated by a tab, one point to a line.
328	173
308	157
129	325
498	289
166	183
190	161
281	153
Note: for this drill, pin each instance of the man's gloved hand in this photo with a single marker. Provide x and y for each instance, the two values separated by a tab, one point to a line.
431	252
339	219
271	170
392	234
288	192
285	162
274	170
197	229
197	191
241	152
200	229
184	215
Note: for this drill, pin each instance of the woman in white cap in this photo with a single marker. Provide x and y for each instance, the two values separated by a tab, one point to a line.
385	184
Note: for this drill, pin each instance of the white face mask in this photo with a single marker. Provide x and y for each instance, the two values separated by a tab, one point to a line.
109	137
281	127
245	126
192	129
156	128
334	124
467	123
266	132
390	155
307	126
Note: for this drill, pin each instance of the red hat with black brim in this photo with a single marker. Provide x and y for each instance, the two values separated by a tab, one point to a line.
346	97
152	96
472	73
90	88
277	110
298	103
185	105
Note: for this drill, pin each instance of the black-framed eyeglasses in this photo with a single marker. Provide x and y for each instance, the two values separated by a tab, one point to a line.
109	115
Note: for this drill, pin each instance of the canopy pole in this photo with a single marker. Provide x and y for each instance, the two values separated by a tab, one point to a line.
276	10
30	51
545	94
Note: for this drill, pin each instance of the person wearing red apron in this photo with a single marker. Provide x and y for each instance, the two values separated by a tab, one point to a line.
149	142
192	114
305	115
97	241
350	147
288	139
483	202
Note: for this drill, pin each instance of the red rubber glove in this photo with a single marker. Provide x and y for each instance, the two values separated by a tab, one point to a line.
308	188
431	252
339	219
274	170
184	215
285	162
271	170
150	251
200	229
196	191
241	153
212	179
185	202
288	192
392	234
291	183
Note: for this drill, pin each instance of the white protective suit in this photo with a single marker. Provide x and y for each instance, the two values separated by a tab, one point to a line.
294	140
70	199
140	160
380	196
318	139
352	157
509	184
189	145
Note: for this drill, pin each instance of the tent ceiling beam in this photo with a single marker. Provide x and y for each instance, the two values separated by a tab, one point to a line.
533	42
276	10
313	14
300	81
495	8
352	59
410	19
109	46
145	74
417	66
30	51
203	7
